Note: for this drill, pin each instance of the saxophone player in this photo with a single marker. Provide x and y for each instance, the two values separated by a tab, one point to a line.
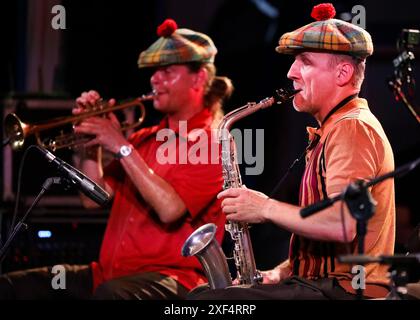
348	144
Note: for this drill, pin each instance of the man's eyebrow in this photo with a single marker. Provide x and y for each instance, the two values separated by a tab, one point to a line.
305	55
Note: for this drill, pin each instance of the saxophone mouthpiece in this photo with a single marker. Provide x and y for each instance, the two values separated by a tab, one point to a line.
282	95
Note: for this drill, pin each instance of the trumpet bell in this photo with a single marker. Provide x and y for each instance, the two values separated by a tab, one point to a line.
15	131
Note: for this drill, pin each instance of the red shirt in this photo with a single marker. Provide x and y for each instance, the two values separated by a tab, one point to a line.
136	240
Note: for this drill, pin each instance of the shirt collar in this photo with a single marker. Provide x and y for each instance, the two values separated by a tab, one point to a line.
341	108
313	136
340	105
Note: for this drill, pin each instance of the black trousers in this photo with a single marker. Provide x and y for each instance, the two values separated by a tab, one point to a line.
293	288
39	283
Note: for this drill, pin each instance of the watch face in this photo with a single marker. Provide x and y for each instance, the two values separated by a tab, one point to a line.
125	151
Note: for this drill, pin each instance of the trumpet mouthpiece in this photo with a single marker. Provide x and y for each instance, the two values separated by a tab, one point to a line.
149	96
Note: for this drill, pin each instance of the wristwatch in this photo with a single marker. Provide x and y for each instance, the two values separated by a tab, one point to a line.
125	151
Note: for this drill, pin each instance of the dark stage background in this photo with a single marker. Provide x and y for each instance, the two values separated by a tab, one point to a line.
99	50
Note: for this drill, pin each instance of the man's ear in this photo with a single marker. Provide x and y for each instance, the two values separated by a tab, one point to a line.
345	71
201	78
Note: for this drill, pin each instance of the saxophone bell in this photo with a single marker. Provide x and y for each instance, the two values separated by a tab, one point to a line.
202	243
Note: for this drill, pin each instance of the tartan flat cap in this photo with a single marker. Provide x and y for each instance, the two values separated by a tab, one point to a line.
177	46
328	35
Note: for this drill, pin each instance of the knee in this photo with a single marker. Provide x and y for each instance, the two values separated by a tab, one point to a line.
110	290
105	291
212	294
192	295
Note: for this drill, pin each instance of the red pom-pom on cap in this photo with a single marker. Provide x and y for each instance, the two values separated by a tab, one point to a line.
167	28
323	11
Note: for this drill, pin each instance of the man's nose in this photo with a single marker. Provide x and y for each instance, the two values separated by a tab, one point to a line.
293	71
155	78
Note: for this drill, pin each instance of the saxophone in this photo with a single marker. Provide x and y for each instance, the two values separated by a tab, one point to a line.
202	243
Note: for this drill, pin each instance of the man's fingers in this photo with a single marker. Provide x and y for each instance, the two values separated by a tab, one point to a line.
114	119
233	192
85	127
91	143
111	102
94	94
232	216
228	202
229	209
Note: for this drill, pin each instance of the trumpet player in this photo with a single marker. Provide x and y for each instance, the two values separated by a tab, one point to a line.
348	144
156	205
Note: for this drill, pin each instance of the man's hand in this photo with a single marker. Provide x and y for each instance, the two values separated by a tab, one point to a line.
89	101
244	205
277	274
106	131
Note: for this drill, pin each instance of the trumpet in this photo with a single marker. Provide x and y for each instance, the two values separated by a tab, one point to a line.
17	132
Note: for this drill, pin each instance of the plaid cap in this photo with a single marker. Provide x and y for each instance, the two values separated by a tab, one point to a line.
183	45
331	35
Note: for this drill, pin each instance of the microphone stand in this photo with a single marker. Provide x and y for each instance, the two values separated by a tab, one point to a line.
46	186
395	85
355	189
360	203
403	73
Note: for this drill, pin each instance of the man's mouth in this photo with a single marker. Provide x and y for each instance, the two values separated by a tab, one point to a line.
299	89
159	93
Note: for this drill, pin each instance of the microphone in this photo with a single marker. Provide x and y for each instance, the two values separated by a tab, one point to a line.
77	179
318	206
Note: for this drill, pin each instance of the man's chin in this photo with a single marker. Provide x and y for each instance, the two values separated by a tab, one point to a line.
159	105
297	106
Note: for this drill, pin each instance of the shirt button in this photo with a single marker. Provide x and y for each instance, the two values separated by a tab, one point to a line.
123	243
131	219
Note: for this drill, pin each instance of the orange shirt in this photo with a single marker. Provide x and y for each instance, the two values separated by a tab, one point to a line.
352	146
135	239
